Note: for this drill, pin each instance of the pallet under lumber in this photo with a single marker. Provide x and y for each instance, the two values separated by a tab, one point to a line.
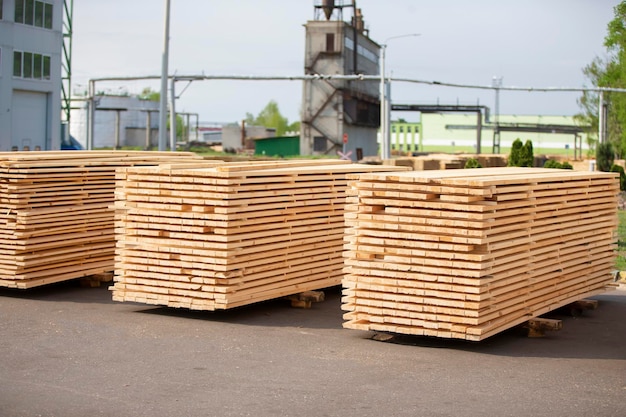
467	254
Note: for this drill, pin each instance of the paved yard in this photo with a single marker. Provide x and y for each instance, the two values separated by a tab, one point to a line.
70	351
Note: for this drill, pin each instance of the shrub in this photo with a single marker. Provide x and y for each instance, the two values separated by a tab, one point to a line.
551	163
622	176
527	155
472	163
604	156
516	153
522	154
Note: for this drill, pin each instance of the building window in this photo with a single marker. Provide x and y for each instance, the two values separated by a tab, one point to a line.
47	16
31	65
1	1
19	11
29	11
38	14
319	144
46	67
27	65
33	13
330	42
17	64
37	66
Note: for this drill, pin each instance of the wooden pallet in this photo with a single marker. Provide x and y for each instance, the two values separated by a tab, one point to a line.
470	253
56	219
221	237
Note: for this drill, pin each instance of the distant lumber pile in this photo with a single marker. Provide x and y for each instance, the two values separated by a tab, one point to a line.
56	222
226	236
468	253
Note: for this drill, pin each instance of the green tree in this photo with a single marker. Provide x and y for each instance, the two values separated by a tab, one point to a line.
527	155
149	94
270	117
605	156
608	72
515	157
180	126
622	176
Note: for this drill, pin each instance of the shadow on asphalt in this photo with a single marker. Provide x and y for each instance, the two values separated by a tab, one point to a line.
66	291
272	313
596	334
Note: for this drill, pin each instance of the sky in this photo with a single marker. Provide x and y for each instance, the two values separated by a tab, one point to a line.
530	43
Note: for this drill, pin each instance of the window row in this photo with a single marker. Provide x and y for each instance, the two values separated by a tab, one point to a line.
31	65
34	13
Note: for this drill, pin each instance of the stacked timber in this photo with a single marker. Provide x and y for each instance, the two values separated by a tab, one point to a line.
226	236
56	219
468	253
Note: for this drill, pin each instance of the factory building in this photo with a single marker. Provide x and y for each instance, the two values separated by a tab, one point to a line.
31	41
339	115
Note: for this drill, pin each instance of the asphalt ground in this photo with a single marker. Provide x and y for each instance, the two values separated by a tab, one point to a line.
67	351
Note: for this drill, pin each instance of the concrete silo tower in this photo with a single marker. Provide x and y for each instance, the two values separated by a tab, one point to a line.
334	111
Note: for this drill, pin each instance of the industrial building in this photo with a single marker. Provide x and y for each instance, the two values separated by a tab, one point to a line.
119	121
445	132
31	41
339	115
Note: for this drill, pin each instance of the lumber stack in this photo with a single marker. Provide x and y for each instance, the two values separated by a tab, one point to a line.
56	222
226	236
468	253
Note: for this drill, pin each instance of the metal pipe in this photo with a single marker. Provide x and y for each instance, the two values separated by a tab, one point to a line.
355	34
116	144
361	77
479	130
601	114
385	96
92	114
148	128
384	153
173	128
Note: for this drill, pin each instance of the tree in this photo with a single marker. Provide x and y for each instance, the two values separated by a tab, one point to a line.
608	72
527	155
270	117
605	156
515	157
149	94
622	176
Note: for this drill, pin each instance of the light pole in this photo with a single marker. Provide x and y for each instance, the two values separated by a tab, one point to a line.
164	76
497	84
385	107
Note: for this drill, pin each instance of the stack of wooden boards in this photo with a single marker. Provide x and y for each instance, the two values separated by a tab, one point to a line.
56	219
468	253
223	236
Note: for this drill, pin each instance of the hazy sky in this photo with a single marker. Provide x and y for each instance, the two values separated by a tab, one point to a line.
539	43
